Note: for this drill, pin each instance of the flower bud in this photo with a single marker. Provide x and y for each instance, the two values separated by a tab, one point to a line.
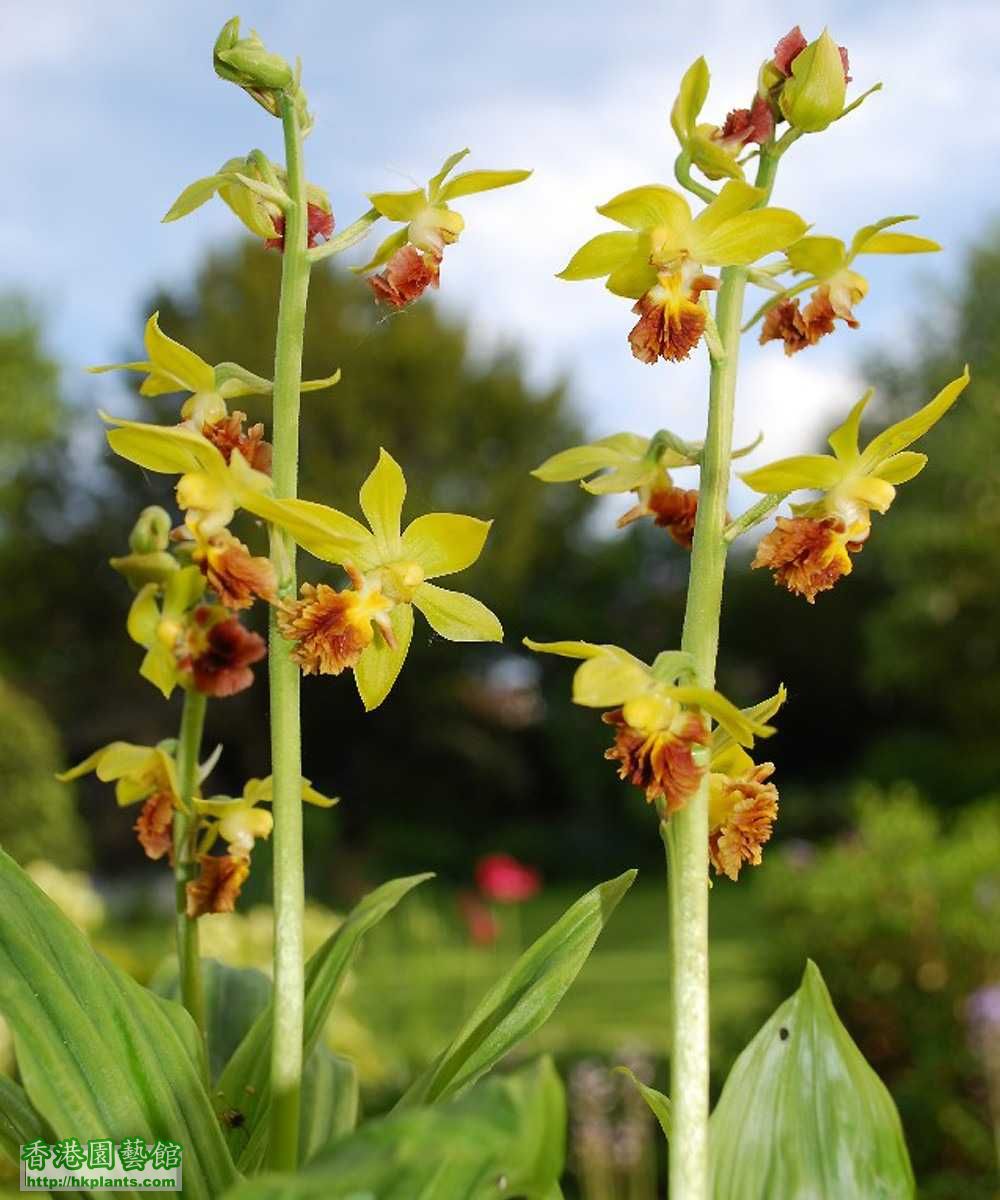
151	532
813	96
139	569
247	63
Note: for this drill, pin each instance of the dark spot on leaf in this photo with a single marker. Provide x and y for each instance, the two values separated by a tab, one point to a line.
783	1034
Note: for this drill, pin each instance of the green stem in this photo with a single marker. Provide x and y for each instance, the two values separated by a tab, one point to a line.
286	733
184	831
687	840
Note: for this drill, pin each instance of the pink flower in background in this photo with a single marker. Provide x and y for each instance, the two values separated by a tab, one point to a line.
480	920
501	878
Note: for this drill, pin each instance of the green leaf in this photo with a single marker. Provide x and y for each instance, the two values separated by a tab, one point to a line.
601	255
802	1114
99	1055
523	999
245	1083
234	998
329	1102
506	1138
19	1123
471	182
690	99
659	1105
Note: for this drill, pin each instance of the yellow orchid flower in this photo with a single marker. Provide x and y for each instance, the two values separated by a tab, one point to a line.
172	367
811	551
660	259
210	488
630	463
836	287
391	571
412	255
658	722
139	773
239	822
256	190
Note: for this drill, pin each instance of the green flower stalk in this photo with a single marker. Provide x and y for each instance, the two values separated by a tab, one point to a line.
185	611
716	806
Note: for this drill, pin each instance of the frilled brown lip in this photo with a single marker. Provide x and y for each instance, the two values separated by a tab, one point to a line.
155	825
328	632
798	552
661	763
748	824
219	882
407	275
227	434
223	667
801	328
235	575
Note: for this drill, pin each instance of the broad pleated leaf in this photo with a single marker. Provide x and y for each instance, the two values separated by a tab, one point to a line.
803	1116
329	1102
503	1140
234	998
523	999
245	1084
99	1055
19	1122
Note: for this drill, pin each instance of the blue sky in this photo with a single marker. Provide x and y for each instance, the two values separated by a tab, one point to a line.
112	108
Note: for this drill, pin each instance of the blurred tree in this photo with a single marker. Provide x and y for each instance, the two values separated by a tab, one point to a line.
933	647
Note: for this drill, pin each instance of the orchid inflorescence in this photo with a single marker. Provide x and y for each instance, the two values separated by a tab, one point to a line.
195	581
663	259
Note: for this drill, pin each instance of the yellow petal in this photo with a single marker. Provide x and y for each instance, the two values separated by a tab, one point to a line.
380	664
177	362
325	532
691	97
735	198
747	237
601	256
902	467
443	543
579	461
610	679
382	495
738	724
897	437
568	649
649	207
456	616
844	439
820	471
898	243
170	449
820	257
144	615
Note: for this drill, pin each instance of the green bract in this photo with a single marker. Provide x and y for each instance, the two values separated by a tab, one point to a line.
851	476
730	231
803	1116
428	222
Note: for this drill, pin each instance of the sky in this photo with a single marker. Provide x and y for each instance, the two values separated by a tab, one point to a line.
112	108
